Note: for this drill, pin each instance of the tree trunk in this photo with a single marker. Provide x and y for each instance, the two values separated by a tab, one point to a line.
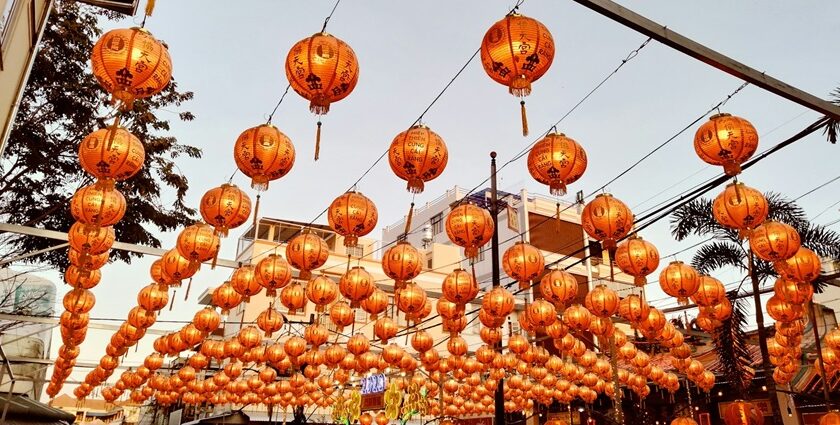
762	342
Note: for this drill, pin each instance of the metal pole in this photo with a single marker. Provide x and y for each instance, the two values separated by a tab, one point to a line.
762	342
813	315
499	396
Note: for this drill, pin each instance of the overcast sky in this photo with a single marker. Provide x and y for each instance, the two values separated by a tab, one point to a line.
232	58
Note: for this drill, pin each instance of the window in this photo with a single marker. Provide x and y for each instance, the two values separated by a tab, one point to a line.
357	251
361	317
437	223
481	253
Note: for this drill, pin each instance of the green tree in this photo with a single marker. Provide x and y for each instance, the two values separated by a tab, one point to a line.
61	104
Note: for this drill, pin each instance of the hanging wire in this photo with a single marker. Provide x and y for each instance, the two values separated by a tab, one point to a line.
327	19
273	111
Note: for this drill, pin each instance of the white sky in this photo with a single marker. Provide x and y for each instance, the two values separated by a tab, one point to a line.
232	58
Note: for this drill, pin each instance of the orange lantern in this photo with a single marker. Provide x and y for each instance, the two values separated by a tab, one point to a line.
352	215
226	297
97	206
422	341
633	309
79	301
830	418
417	155
559	287
470	227
225	207
131	64
76	278
710	291
783	311
153	297
774	241
207	320
804	266
742	412
606	219
384	328
557	160
740	207
793	292
523	262
198	243
111	153
498	302
726	140
341	315
638	258
141	318
293	297
263	153
720	311
245	282
176	267
654	323
602	301
356	285
191	335
157	274
270	321
411	299
358	344
683	420
322	69
541	313
306	252
249	337
679	280
459	287
577	317
90	243
402	262
322	291
515	52
273	273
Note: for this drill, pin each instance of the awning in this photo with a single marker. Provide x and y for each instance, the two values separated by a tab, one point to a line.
25	411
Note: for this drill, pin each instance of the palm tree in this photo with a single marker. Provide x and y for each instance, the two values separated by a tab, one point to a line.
727	250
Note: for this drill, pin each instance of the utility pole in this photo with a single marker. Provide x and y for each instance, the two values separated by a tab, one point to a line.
762	342
499	396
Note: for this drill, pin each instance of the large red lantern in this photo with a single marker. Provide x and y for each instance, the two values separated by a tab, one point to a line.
524	263
417	155
638	258
726	140
225	207
515	52
131	64
557	161
804	266
470	227
263	153
606	219
352	215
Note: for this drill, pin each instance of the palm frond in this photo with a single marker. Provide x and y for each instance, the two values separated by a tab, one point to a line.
730	342
832	128
823	241
784	210
694	218
717	255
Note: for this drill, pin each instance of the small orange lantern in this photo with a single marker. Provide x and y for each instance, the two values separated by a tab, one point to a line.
577	317
557	160
804	266
783	311
131	64
679	280
90	241
263	153
459	287
417	155
245	282
97	206
225	207
306	252
153	297
470	227
740	207
226	297
176	267
79	301
322	291
710	291
602	301
293	297
559	287
198	243
498	302
76	278
111	154
541	313
207	320
793	292
384	328
742	412
606	219
356	285
273	273
774	241
341	315
402	262
633	308
515	52
411	299
638	258
523	262
352	215
726	140
270	321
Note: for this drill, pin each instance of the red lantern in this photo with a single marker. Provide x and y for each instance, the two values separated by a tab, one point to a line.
740	207
245	282
306	252
97	206
322	291
804	266
679	280
356	285
417	155
459	287
198	243
111	153
602	301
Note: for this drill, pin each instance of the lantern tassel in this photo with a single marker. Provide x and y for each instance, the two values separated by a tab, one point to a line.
408	220
524	118
256	211
187	295
215	260
318	140
150	7
172	303
558	223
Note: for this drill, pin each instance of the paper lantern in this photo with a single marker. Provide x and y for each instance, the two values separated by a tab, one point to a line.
198	243
459	287
76	278
153	297
384	328
602	301
783	311
830	418
469	227
97	206
263	153
111	153
272	273
270	321
558	161
498	302
321	291
726	140
225	207
176	267
683	420
226	297
411	299
90	241
633	309
352	215
774	241
804	266
559	287
356	285
515	52
606	219
79	301
375	303
523	262
293	298
740	207
577	317
341	315
306	252
742	412
541	313
793	292
679	280
417	155
131	64
402	262
206	320
709	292
245	282
637	258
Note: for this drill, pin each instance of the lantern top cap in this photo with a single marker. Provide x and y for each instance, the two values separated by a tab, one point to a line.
676	262
720	115
607	195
